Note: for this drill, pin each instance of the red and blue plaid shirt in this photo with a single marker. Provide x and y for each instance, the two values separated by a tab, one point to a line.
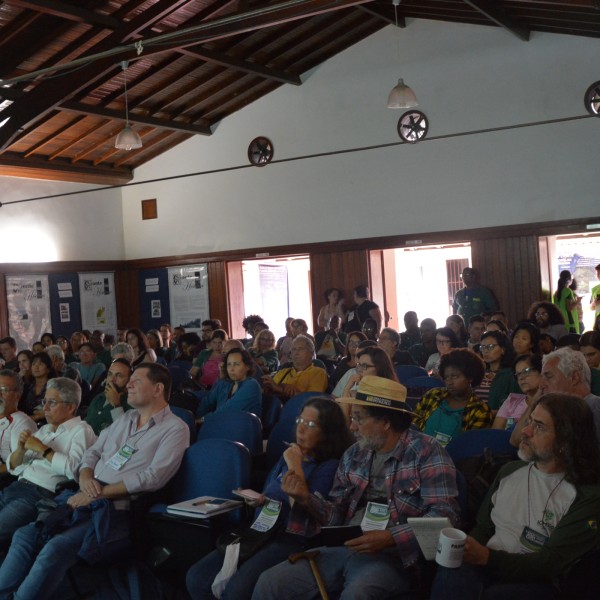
420	481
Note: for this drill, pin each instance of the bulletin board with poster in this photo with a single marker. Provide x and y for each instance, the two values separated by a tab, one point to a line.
153	287
98	301
28	303
64	303
188	296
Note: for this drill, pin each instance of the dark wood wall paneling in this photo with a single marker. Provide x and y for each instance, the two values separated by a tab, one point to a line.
507	257
343	269
510	266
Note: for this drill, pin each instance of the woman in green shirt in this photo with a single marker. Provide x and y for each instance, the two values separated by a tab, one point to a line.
567	301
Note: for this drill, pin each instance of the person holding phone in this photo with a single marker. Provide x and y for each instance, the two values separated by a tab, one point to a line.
109	405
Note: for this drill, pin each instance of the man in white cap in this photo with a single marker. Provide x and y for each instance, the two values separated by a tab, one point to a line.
393	472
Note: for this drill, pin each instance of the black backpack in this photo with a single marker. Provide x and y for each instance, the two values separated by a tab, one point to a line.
480	473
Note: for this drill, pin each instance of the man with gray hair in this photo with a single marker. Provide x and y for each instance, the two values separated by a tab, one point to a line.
57	356
564	371
122	350
44	460
12	420
302	376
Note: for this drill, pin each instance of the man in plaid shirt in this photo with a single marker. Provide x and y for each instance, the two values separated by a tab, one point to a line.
391	473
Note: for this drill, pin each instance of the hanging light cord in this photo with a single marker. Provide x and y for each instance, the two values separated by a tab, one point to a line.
124	66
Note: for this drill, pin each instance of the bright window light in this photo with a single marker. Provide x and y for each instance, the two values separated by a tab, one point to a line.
26	244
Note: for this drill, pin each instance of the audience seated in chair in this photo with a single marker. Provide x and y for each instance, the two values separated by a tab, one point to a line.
140	452
303	376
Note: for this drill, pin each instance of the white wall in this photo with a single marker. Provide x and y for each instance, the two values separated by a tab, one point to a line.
79	227
466	78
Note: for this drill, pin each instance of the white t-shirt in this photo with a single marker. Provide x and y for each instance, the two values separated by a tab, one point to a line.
528	498
10	431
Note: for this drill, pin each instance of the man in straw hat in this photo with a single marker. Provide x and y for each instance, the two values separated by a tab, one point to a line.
391	473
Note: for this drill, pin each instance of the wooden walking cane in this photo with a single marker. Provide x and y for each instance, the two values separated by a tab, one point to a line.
310	555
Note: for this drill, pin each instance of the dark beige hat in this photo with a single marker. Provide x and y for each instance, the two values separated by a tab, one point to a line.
381	392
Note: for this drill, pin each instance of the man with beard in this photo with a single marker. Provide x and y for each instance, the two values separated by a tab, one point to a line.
548	319
393	472
541	514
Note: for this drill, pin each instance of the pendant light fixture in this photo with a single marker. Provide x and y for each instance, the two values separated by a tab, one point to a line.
401	95
128	139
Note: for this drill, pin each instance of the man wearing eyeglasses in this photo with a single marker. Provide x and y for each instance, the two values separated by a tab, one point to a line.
392	473
139	452
12	421
541	514
565	371
43	460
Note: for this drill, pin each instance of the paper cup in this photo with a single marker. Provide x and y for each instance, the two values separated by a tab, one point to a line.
451	547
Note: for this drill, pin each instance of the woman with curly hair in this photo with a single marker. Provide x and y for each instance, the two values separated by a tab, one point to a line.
334	297
444	413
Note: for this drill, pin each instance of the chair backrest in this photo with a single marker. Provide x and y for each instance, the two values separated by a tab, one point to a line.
188	417
406	372
423	382
293	407
283	432
179	375
473	442
270	413
212	468
238	426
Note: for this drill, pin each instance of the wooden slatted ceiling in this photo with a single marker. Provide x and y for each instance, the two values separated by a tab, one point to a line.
66	125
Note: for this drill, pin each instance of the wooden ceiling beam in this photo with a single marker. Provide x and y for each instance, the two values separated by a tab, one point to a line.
48	95
12	165
86	109
383	14
69	12
498	15
224	60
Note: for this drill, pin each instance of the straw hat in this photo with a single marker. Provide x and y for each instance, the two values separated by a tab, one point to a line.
381	392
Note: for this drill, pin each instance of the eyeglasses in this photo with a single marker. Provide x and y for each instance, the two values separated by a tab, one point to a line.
541	313
307	422
536	426
6	390
443	342
353	344
363	366
524	373
359	419
488	347
53	403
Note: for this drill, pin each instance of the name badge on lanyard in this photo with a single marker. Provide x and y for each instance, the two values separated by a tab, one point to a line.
122	457
268	516
376	517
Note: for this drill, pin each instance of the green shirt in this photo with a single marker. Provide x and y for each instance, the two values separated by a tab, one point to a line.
101	413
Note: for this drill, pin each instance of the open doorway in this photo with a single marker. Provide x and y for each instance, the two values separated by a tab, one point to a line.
274	288
579	254
423	279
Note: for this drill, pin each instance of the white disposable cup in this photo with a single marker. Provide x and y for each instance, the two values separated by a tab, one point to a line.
451	548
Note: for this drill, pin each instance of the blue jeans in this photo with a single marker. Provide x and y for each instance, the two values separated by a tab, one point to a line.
474	583
350	574
32	572
201	575
18	507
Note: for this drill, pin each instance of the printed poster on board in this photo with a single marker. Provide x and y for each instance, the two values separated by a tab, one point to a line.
28	302
188	296
98	301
